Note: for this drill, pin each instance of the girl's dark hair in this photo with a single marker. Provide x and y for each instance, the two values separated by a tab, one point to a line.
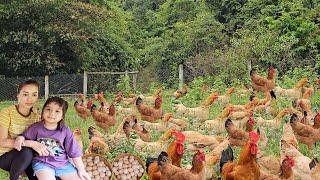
28	82
61	103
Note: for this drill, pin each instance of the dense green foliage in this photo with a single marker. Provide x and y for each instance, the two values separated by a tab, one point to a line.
210	37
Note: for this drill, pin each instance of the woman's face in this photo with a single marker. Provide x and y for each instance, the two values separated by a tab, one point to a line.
28	96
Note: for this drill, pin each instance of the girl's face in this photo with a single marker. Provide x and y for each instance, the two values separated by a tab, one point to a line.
52	113
28	96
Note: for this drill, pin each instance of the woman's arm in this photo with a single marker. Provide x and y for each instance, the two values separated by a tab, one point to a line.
4	140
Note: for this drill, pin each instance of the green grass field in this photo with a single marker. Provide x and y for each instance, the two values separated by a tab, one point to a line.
73	121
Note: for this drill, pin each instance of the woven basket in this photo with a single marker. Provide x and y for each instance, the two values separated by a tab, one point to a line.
141	162
101	159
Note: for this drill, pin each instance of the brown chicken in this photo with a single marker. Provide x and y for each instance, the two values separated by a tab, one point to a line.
247	167
82	110
104	120
293	93
175	153
141	131
148	113
103	102
217	124
286	171
263	84
237	137
171	172
181	92
316	121
118	98
315	168
275	122
77	136
250	124
97	143
304	133
225	99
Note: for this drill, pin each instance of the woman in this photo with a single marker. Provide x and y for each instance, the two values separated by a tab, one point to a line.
13	121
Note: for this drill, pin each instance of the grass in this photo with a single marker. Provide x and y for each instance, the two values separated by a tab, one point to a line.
73	121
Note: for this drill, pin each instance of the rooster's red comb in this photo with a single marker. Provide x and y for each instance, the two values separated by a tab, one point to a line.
179	136
254	137
290	161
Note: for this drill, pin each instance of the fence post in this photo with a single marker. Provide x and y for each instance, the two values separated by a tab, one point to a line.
180	76
134	81
249	66
85	83
46	87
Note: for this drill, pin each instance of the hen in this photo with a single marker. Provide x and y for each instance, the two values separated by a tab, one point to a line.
304	133
104	120
293	93
286	171
148	113
171	172
224	99
82	110
181	92
263	84
237	137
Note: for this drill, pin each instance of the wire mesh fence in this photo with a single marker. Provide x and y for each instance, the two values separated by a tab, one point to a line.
9	87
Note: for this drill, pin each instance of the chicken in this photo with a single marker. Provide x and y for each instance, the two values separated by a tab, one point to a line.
217	124
261	83
304	133
213	157
122	131
142	132
153	147
199	113
151	99
197	140
118	98
181	92
316	121
237	137
286	171
225	99
175	153
148	113
275	122
254	101
295	92
81	110
315	168
182	123
77	137
250	124
97	143
247	167
103	102
104	120
171	172
301	170
266	104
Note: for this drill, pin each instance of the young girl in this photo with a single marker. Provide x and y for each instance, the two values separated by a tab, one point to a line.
59	144
13	121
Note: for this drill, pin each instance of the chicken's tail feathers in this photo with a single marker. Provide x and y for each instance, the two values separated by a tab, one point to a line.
226	156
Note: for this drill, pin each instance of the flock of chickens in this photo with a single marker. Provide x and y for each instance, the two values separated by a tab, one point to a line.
181	132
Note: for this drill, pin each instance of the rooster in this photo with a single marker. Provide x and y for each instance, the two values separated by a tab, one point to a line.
104	120
169	171
263	84
148	113
247	167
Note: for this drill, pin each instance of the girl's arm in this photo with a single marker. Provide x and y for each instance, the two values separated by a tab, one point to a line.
80	167
4	140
